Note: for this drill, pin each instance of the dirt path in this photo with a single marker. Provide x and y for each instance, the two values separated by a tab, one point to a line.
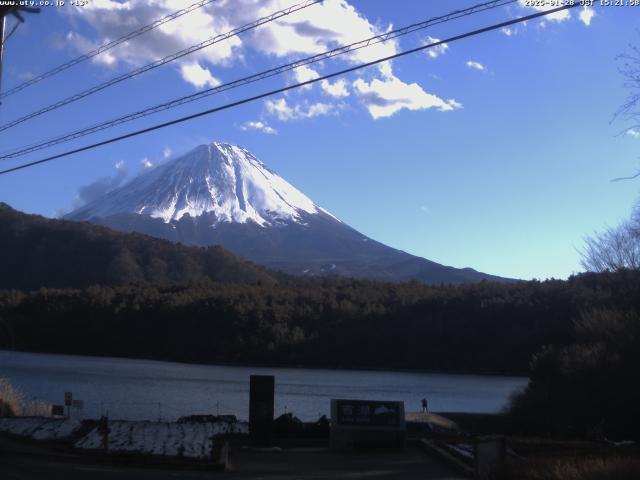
289	464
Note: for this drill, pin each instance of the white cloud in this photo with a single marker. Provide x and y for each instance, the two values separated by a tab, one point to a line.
313	30
317	109
544	5
83	45
101	186
586	14
308	31
111	19
304	74
26	76
260	126
337	89
284	112
197	75
281	109
383	98
145	163
435	52
632	132
110	5
508	31
476	65
426	209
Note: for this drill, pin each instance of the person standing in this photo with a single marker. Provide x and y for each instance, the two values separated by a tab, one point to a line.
425	406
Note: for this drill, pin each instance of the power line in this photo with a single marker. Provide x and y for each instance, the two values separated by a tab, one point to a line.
105	47
291	87
162	61
20	151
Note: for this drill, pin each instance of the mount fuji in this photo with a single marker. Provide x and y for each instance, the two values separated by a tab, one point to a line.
220	194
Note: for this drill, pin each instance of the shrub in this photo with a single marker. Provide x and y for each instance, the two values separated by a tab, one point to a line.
11	399
14	404
574	469
589	387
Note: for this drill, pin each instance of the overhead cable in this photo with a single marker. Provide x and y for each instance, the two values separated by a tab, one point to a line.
21	151
237	103
159	63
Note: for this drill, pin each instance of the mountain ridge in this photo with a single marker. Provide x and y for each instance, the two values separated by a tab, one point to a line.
221	194
38	252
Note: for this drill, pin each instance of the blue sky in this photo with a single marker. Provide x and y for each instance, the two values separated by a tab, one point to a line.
496	154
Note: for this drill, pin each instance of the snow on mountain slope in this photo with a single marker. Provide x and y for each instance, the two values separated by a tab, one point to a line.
218	178
220	194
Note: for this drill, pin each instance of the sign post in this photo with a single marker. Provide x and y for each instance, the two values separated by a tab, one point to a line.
68	401
367	423
261	400
78	407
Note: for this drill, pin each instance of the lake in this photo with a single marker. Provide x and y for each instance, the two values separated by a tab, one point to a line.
145	389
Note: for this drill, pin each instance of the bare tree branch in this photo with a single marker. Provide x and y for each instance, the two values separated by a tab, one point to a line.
626	178
614	249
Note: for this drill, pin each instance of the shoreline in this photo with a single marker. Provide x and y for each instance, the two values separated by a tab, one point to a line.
276	365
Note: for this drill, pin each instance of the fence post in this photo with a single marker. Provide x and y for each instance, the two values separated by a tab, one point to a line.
103	428
490	452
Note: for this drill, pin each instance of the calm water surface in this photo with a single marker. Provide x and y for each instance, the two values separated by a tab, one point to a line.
145	389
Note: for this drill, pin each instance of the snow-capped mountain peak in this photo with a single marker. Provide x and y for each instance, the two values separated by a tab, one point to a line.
218	178
237	202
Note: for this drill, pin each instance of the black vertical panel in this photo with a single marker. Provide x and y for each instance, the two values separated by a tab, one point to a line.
261	398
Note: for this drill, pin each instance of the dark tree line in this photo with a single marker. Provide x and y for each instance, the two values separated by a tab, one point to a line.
587	387
482	327
577	339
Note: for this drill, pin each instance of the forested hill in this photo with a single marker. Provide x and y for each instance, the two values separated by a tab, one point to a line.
484	327
38	252
134	296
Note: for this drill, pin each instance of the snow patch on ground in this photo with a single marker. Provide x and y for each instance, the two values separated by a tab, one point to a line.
462	449
192	440
39	428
